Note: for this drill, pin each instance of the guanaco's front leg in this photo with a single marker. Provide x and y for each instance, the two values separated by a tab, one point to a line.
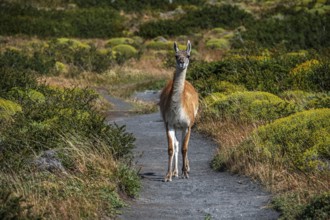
171	141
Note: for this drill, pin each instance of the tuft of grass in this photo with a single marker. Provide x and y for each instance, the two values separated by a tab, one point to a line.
89	188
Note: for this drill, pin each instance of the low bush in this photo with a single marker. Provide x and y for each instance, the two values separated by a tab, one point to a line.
94	156
317	208
221	43
85	57
83	23
14	207
139	5
8	109
264	73
249	106
124	52
61	55
206	17
297	30
15	77
37	61
299	141
119	40
312	75
307	100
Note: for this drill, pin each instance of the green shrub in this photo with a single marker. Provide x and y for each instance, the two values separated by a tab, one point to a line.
83	56
14	207
32	95
13	77
317	208
124	52
250	106
203	18
298	30
159	45
273	74
300	141
227	87
38	61
128	180
8	109
307	100
61	68
41	123
288	204
312	75
219	30
84	23
119	40
139	5
221	43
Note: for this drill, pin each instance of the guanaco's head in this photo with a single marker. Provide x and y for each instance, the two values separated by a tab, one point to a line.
182	56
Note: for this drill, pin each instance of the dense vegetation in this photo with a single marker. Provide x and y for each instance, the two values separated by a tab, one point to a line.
62	127
265	93
206	17
84	23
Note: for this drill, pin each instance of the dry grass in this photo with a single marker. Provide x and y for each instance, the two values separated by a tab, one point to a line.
87	190
277	179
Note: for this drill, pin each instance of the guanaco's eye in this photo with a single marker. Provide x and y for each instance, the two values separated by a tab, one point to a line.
176	56
188	56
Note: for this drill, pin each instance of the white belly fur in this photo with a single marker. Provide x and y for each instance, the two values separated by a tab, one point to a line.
177	117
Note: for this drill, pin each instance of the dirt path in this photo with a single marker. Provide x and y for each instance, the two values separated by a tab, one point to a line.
206	194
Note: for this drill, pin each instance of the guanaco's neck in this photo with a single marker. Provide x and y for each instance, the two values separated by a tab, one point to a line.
178	84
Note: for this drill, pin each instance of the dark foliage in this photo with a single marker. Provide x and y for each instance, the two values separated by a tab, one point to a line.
139	5
84	23
296	31
318	208
226	16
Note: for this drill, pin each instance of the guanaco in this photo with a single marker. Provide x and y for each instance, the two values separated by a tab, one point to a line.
179	106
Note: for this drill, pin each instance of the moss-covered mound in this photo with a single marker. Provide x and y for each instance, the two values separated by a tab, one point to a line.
249	106
221	44
298	142
125	51
119	40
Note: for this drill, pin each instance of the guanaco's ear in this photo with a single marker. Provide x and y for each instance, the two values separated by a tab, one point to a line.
188	47
175	46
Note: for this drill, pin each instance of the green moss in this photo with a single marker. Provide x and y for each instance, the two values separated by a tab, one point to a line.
125	51
8	108
119	40
221	43
251	106
300	141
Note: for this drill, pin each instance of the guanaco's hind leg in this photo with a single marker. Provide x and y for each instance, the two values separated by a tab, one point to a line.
171	139
185	161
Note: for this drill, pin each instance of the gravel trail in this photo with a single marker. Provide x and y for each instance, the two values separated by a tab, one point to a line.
207	194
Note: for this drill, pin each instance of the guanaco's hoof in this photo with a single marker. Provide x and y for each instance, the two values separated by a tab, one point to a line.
168	177
185	175
175	174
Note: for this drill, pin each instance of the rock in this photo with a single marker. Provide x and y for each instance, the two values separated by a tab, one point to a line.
48	161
